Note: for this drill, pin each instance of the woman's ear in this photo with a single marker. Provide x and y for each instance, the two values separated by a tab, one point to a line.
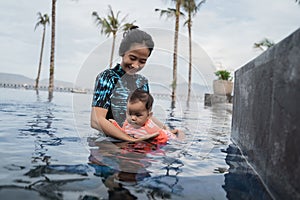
150	114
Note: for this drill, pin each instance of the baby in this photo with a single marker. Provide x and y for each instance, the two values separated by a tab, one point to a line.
138	121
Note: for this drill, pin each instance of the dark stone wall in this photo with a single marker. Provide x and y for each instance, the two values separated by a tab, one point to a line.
266	116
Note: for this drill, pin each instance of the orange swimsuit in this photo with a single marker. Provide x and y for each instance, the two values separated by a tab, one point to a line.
149	128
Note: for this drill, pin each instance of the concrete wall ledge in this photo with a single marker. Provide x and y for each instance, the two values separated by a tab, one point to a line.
266	116
211	99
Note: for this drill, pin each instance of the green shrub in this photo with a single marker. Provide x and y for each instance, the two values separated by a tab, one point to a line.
223	75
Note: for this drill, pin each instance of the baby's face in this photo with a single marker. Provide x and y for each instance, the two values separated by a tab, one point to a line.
137	114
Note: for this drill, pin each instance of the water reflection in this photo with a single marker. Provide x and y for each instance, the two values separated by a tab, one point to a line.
44	180
120	163
124	165
166	185
241	182
50	95
173	119
124	170
40	127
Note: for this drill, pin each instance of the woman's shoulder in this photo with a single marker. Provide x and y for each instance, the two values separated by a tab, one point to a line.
140	79
107	74
140	76
117	71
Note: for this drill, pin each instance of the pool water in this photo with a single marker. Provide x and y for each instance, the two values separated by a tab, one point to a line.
49	151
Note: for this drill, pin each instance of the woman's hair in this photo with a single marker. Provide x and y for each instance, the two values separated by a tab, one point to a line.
143	96
135	36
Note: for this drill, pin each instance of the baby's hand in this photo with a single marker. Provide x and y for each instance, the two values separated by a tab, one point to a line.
174	131
180	135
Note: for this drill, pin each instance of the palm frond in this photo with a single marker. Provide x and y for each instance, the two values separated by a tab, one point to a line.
192	6
264	43
42	20
169	13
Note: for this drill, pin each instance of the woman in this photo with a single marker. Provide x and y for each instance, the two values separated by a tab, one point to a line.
113	85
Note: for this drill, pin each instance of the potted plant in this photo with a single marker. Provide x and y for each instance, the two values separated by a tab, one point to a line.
224	84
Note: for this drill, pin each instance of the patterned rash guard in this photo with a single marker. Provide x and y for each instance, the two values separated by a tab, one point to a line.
112	88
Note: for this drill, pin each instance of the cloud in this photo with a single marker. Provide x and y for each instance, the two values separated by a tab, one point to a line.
228	30
224	30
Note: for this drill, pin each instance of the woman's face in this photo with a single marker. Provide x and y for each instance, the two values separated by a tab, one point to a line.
135	59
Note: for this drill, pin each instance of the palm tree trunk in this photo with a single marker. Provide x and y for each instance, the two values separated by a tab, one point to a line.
51	74
112	50
190	57
174	83
41	58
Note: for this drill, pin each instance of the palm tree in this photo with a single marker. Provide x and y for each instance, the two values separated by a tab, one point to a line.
191	7
171	12
42	20
51	74
111	25
266	43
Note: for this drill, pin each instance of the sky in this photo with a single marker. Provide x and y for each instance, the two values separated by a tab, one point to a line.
223	35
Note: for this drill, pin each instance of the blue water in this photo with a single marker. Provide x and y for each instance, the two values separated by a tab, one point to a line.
48	151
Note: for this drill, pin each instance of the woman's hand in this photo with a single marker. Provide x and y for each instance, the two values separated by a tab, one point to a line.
99	122
147	137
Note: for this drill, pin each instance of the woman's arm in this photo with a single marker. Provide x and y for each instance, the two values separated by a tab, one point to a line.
99	122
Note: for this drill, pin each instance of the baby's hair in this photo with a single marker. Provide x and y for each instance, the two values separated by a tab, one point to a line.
135	36
143	96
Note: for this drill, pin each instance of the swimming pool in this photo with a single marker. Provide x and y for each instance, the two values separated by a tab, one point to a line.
48	151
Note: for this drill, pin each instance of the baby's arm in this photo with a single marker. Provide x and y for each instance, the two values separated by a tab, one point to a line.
179	134
163	126
146	137
175	134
